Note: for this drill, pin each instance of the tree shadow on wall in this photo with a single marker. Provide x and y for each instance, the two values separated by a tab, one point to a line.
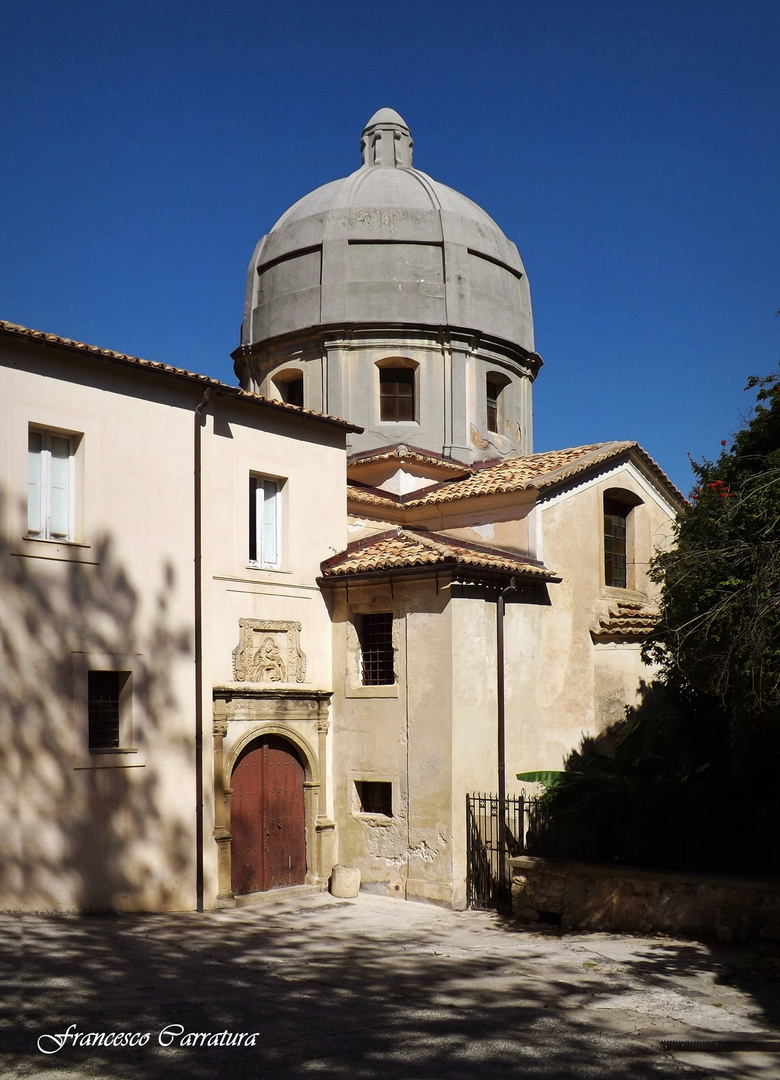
91	838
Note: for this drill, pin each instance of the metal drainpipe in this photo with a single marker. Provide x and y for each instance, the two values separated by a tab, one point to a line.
198	546
500	695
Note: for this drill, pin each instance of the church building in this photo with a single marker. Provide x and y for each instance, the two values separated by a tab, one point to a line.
223	685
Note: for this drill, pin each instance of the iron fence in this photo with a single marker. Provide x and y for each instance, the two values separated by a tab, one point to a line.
495	832
667	833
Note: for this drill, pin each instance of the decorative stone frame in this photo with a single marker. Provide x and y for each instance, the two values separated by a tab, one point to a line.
245	663
269	711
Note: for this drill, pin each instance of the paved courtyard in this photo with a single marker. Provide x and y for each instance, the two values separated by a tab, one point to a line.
375	988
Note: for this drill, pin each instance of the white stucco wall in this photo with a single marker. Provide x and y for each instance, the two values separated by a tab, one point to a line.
98	830
118	830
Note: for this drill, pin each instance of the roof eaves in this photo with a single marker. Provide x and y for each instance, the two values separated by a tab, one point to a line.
603	453
451	554
14	330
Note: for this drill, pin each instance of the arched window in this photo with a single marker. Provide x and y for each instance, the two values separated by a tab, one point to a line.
494	388
397	391
290	386
619	507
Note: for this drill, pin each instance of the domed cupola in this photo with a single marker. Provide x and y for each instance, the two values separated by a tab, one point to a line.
393	301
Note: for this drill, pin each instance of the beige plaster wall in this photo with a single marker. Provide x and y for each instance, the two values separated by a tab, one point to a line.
399	734
97	830
561	686
474	718
104	831
310	461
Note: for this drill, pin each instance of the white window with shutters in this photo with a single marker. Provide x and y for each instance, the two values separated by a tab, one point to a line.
265	521
50	484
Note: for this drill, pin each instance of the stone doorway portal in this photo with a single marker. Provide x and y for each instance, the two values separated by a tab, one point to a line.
267	819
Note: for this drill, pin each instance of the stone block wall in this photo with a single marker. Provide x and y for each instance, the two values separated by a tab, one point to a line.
589	896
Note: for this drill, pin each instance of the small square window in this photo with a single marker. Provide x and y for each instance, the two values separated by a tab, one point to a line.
376	649
375	797
108	710
265	519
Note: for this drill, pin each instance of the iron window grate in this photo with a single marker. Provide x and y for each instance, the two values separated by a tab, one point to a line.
104	691
376	648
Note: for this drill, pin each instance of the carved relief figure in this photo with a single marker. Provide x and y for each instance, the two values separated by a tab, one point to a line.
267	663
269	650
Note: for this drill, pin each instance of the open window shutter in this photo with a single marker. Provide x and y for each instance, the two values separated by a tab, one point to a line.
270	509
34	449
59	509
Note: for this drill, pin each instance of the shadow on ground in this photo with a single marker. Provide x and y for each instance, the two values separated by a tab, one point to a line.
426	994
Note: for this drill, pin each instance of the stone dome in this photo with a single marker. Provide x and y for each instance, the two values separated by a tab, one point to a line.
386	245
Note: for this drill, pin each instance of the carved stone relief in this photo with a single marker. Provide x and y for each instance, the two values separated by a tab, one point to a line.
269	651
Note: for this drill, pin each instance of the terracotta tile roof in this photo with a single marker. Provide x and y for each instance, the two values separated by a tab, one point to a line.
14	330
536	472
404	452
626	621
404	548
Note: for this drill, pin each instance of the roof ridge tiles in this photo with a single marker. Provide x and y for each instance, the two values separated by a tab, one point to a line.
408	549
403	450
538	472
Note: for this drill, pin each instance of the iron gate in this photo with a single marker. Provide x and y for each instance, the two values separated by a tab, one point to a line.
494	834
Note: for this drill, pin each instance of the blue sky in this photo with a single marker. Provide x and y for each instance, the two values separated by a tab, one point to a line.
628	147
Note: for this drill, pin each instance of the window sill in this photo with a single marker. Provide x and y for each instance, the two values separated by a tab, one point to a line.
382	820
389	691
612	592
267	569
120	757
35	547
67	541
113	750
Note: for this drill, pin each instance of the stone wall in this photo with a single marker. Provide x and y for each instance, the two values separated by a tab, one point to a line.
588	896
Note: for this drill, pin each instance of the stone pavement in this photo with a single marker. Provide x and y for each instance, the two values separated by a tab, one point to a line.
376	988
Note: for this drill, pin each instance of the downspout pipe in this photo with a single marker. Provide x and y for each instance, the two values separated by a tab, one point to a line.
500	699
198	550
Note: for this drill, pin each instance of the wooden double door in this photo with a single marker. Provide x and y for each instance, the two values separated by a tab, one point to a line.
267	823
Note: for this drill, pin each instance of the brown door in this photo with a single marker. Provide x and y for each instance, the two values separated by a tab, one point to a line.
268	849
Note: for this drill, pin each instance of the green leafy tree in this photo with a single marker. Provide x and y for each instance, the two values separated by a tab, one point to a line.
690	780
719	634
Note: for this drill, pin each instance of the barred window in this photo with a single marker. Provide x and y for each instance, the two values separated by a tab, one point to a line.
376	648
106	698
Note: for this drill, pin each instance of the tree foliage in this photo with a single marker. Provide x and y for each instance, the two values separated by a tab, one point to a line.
690	779
719	635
